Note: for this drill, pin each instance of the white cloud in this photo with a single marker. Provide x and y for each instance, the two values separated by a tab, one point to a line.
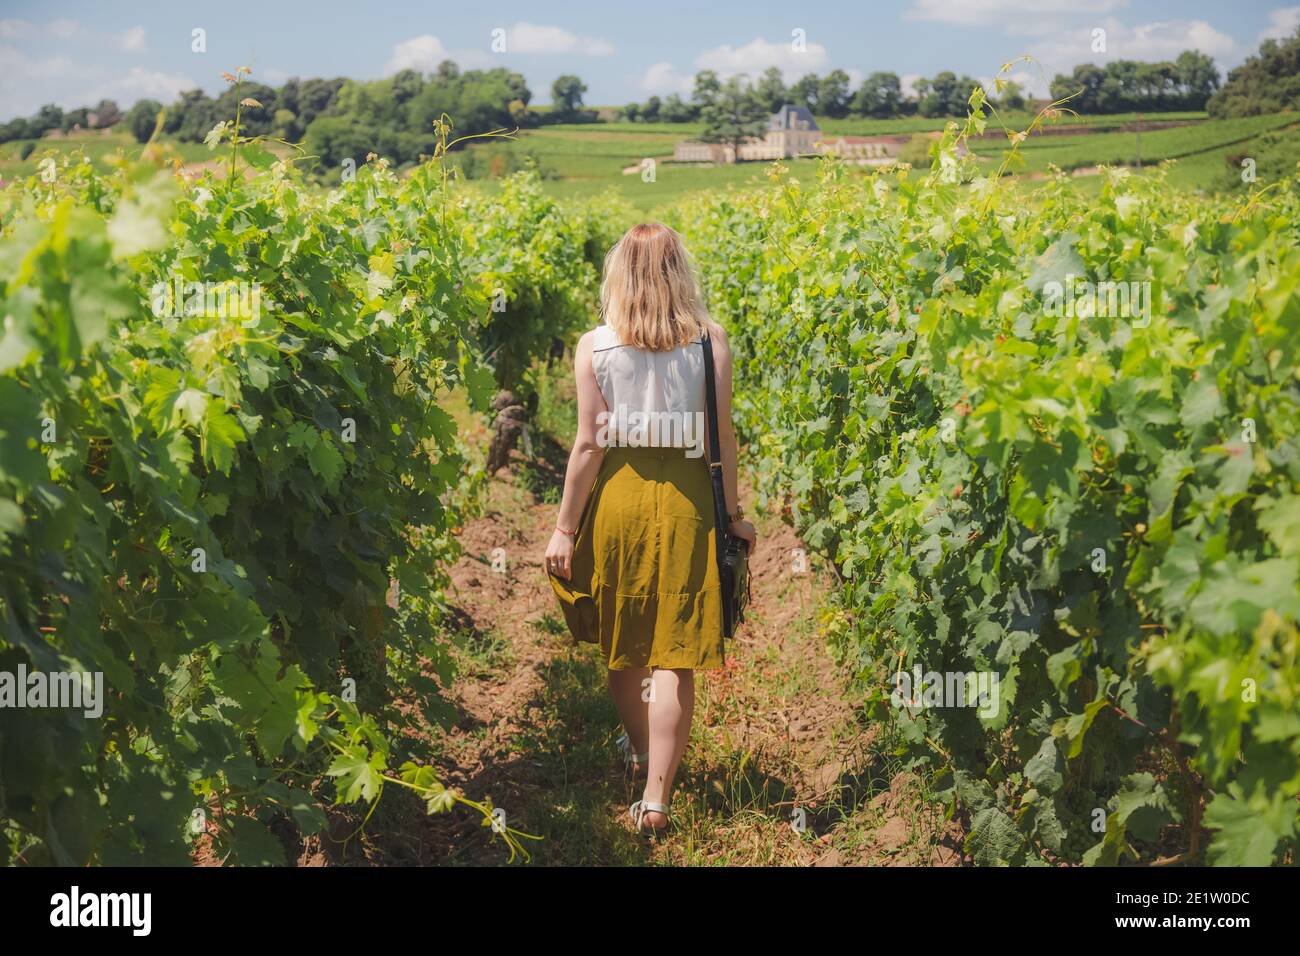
15	29
425	52
1148	41
759	54
64	29
1282	23
1161	41
422	53
28	82
18	70
907	84
546	40
132	40
139	84
1028	26
1011	13
662	79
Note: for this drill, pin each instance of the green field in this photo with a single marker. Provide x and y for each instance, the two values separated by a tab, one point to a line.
1123	148
98	147
579	160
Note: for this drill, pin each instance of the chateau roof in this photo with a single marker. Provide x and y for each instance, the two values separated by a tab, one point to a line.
788	116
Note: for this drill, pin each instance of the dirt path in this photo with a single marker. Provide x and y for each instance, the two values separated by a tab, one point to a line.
776	742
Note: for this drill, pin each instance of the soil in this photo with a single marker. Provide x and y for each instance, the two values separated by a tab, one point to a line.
781	769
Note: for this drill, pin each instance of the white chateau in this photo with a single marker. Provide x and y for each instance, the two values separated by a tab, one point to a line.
792	131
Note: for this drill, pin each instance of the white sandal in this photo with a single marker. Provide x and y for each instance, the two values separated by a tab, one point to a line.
638	811
631	761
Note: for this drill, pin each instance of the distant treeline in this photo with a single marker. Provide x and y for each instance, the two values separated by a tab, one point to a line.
1124	86
1119	87
1268	82
50	117
337	119
880	95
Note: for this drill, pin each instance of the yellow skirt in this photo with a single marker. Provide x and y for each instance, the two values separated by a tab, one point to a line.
645	581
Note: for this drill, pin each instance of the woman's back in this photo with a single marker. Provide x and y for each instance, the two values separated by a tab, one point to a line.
655	399
634	557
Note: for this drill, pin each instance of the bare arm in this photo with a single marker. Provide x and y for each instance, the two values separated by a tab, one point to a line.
584	462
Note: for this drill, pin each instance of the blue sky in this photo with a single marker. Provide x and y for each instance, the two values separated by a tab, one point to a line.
74	53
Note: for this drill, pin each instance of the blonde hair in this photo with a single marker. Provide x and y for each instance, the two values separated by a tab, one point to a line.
649	295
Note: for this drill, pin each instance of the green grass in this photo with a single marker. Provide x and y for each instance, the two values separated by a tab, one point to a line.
581	176
97	147
1121	148
583	159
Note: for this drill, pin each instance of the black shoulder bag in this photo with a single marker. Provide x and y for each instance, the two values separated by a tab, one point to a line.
733	552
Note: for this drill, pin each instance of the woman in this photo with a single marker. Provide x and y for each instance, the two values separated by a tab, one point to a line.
632	559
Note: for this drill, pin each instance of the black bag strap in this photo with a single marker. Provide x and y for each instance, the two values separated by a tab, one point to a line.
711	400
715	452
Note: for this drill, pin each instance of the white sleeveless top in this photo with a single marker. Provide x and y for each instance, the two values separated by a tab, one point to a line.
655	399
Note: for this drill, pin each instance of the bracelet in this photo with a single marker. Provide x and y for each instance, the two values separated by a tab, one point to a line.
562	531
740	513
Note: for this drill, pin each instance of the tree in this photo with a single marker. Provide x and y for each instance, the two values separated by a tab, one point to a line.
1123	85
335	138
478	101
407	85
74	118
771	89
17	128
735	115
142	118
1012	96
283	124
631	112
944	95
1198	77
566	93
833	94
316	98
650	111
1086	81
676	110
935	96
880	96
1268	82
191	117
253	120
707	89
48	117
804	92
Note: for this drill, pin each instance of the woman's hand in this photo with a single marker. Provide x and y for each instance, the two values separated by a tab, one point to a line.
559	555
746	530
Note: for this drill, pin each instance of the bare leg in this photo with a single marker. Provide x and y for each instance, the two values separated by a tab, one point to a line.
626	688
671	708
